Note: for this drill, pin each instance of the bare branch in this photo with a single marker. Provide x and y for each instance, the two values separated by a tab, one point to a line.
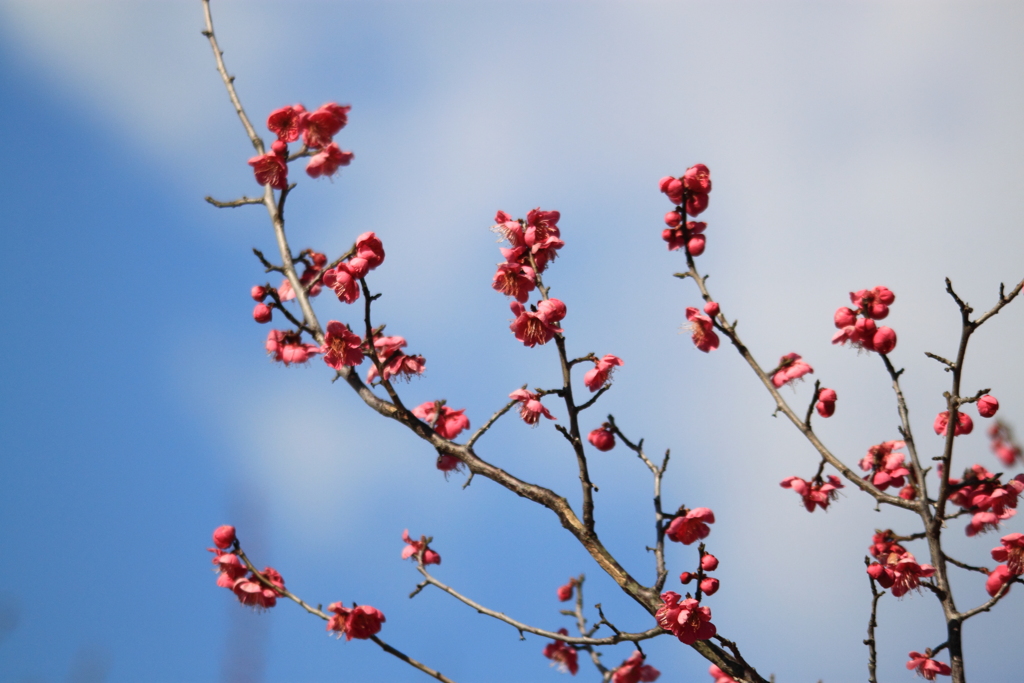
234	202
490	422
876	595
520	626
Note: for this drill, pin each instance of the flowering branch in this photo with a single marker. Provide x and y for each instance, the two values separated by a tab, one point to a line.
729	330
316	611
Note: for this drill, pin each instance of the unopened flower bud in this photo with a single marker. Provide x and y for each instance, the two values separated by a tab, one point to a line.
696	227
602	439
673	219
826	408
884	340
908	492
845	317
827	395
709	563
987	406
258	293
280	148
262	313
709	586
696	245
711	308
866	327
686	577
224	536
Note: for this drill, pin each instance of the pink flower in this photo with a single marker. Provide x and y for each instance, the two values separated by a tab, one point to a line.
965	424
901	573
709	586
323	124
1002	443
538	327
328	160
691	527
370	248
342	347
271	169
697	179
927	667
884	340
514	280
412	549
449	424
820	493
262	313
602	438
344	284
1011	552
286	122
633	670
845	317
686	620
394	361
565	592
873	303
224	536
984	521
358	622
562	654
696	202
719	675
709	563
887	467
229	568
883	544
826	404
695	245
673	187
791	368
530	407
447	463
250	591
987	405
997	578
702	329
287	347
596	377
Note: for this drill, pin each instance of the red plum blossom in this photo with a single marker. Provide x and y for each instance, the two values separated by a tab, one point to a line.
702	330
633	670
596	377
927	667
791	368
691	527
686	620
530	407
602	438
987	405
449	424
342	347
357	622
562	654
814	494
412	549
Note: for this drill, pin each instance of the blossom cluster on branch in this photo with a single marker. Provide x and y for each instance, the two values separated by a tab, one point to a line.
892	472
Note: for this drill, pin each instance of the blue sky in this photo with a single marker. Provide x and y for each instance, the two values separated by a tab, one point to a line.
851	144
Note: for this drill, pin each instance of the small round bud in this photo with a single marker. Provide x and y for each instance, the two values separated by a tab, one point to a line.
827	395
987	406
845	317
280	148
709	563
826	408
673	219
696	245
224	536
258	293
602	439
686	577
262	313
709	586
884	340
711	308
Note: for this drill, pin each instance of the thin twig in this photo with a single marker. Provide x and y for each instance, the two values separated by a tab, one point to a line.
235	202
520	626
876	595
490	422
